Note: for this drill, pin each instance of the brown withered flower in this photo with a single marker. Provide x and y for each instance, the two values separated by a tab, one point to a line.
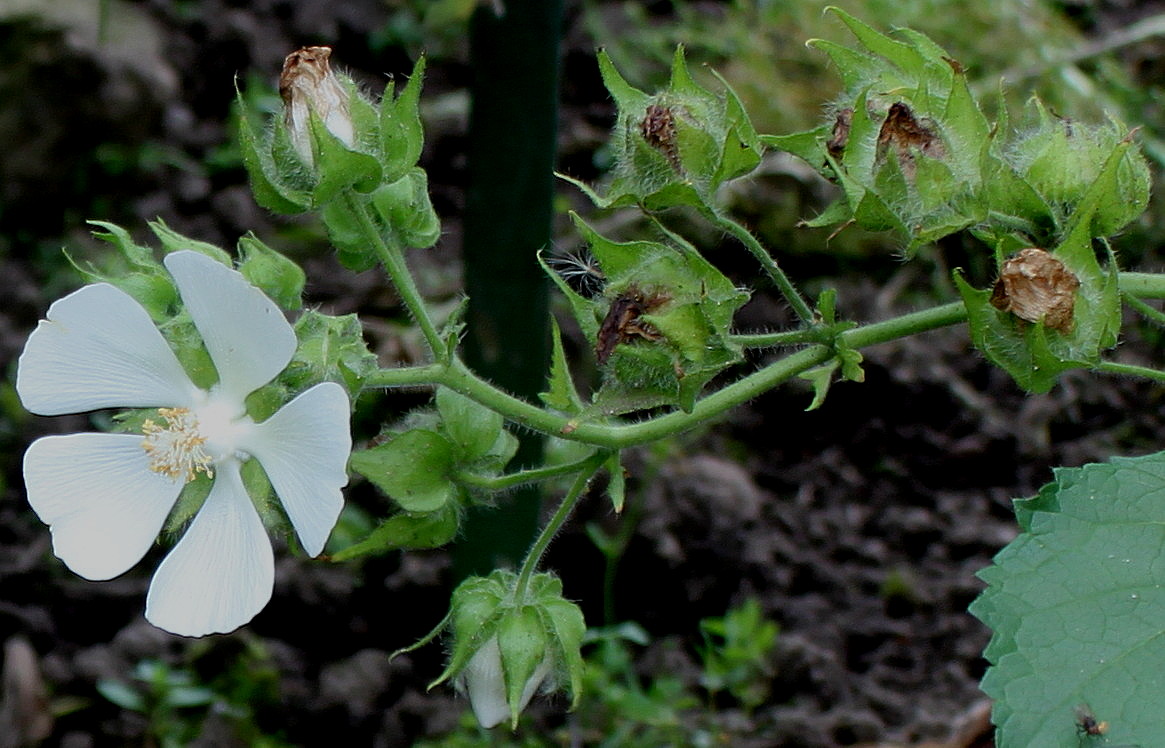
842	122
658	128
1036	286
907	134
623	322
307	84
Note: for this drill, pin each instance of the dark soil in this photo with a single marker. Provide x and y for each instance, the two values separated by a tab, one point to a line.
858	526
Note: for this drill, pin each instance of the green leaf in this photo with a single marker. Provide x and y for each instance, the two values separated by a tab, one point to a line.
413	469
471	428
820	377
1076	604
406	531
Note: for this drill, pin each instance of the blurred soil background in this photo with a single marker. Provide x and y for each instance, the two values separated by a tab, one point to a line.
856	528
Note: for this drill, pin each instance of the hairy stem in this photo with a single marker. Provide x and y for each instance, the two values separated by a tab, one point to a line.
391	255
590	466
770	266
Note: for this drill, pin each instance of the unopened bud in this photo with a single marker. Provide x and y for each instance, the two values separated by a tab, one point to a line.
307	84
483	681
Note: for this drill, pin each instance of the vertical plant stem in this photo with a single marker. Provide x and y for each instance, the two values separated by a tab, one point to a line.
542	542
391	255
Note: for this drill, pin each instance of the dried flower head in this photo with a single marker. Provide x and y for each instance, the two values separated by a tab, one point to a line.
907	135
307	84
1036	286
658	128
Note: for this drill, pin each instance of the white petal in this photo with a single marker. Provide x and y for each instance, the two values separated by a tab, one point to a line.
304	450
245	333
98	349
103	504
484	683
222	571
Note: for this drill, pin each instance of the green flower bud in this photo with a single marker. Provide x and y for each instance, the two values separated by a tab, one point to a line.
677	146
504	649
1061	159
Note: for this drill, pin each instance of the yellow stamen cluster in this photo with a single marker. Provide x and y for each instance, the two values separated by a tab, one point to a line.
175	449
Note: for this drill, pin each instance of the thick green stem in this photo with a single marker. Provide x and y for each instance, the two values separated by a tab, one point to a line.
458	377
1130	370
774	339
1143	285
391	255
770	266
542	542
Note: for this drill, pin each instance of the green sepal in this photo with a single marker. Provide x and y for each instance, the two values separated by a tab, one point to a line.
147	281
805	145
560	393
338	167
274	274
697	141
346	232
692	313
413	469
474	611
471	428
905	57
407	531
267	184
190	500
404	206
565	620
172	241
616	483
331	349
401	132
522	642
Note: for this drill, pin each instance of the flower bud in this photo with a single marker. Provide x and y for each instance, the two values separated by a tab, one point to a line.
677	146
484	682
505	649
307	84
1062	158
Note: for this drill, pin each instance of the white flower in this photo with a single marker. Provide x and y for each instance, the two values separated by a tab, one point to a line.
107	496
483	680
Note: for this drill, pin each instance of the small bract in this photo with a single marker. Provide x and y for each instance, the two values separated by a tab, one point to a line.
106	496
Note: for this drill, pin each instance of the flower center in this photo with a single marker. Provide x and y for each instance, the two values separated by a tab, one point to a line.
176	449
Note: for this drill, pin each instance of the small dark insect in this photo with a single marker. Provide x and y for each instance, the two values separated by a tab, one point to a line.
658	128
581	272
622	322
1086	721
837	139
907	134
